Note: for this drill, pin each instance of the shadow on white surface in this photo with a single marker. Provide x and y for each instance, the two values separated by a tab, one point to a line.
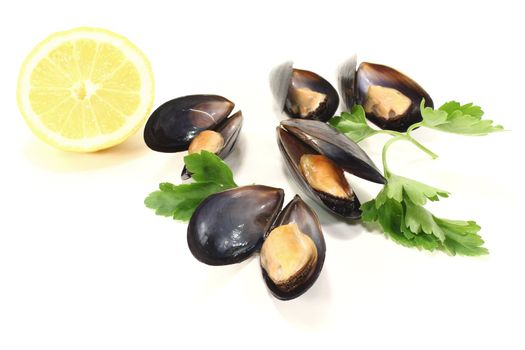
311	310
52	159
219	276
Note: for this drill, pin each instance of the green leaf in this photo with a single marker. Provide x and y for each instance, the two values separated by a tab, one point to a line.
180	201
418	220
210	175
459	119
353	124
208	167
417	192
410	224
369	211
390	218
462	237
469	108
432	117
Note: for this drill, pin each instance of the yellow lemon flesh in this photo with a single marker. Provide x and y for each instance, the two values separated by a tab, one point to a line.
85	89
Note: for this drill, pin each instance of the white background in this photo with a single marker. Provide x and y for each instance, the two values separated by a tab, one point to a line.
84	265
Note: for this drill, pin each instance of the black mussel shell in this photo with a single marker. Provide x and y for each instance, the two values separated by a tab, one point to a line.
377	75
228	227
300	213
173	125
292	149
280	78
346	80
230	129
331	143
303	94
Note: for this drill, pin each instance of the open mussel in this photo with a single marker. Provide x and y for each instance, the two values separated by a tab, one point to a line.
293	252
230	226
390	99
316	155
194	123
303	94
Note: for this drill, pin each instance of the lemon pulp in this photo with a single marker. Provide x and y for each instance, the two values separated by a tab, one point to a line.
85	89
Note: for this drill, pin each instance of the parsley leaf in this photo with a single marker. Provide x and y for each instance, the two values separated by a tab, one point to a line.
399	206
208	167
353	124
179	201
210	175
459	119
399	210
462	237
416	191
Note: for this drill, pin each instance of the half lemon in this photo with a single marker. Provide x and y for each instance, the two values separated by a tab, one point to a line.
85	89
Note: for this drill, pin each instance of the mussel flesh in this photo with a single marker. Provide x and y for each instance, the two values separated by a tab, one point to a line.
391	99
316	155
293	252
303	94
230	226
220	141
179	125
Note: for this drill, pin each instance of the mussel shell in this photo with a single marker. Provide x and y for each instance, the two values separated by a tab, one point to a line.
228	227
285	79
280	78
346	80
331	143
292	149
230	130
173	125
300	213
370	74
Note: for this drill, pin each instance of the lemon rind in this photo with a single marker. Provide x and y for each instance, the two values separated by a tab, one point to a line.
134	122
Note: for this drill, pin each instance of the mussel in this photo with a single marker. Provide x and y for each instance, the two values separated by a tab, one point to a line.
303	94
230	226
194	123
391	99
293	252
316	155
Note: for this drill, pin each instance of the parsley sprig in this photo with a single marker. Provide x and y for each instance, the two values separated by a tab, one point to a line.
210	175
399	207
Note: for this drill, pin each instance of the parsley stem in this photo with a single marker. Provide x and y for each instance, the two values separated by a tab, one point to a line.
400	136
386	170
416	143
421	147
408	137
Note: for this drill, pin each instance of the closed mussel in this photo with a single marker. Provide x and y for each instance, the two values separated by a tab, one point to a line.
390	99
316	155
194	123
303	94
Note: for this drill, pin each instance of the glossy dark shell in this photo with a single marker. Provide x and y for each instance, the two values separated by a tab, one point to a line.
292	149
298	212
173	125
347	83
354	85
331	143
230	130
285	79
228	227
